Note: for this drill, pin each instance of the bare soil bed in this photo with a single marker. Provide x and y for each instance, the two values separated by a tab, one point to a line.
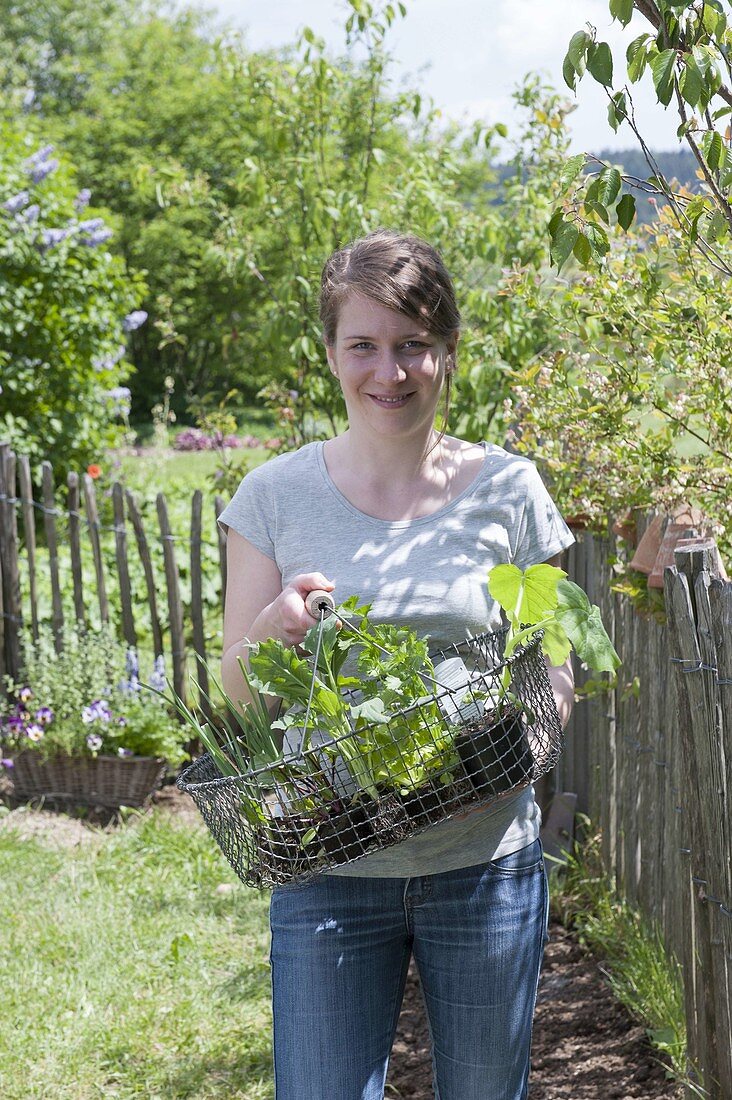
585	1045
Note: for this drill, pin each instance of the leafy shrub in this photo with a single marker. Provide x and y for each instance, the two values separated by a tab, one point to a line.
88	699
66	307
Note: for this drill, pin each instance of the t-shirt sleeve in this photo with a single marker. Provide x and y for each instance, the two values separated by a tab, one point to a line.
542	532
251	513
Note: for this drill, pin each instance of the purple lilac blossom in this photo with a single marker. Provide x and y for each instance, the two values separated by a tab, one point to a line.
157	678
119	398
106	362
94	742
29	98
17	202
43	169
52	237
44	715
39	155
82	199
133	664
30	214
99	236
134	320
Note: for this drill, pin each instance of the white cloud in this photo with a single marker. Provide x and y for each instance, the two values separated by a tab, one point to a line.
469	55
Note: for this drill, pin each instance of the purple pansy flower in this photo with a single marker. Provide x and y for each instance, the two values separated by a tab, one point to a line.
44	715
34	732
17	202
6	763
25	694
124	752
94	742
97	711
134	320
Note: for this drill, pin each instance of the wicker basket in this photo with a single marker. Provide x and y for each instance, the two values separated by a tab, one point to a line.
109	781
293	819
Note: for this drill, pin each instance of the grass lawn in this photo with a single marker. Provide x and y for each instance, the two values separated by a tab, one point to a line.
134	965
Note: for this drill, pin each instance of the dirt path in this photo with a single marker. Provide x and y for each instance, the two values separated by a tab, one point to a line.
585	1046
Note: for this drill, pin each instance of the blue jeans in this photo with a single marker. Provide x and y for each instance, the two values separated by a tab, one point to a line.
340	953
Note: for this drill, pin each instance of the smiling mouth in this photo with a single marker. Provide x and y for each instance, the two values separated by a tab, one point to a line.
390	402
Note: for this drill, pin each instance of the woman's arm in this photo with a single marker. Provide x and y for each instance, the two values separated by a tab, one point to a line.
258	607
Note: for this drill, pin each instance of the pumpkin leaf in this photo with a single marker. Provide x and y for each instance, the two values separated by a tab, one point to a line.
526	596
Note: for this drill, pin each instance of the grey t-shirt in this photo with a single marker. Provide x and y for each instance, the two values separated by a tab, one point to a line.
428	574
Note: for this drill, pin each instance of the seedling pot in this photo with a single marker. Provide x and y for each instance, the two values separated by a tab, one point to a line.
497	756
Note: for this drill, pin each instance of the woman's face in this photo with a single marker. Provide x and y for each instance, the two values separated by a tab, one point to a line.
391	369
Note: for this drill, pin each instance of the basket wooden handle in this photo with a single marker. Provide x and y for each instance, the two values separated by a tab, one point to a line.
319	603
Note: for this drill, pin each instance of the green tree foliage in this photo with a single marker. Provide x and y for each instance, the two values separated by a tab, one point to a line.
684	51
633	405
235	173
64	300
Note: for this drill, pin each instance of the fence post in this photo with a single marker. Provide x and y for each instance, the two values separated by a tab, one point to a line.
25	483
690	644
175	607
10	580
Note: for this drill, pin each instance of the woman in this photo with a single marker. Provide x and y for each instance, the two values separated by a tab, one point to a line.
410	520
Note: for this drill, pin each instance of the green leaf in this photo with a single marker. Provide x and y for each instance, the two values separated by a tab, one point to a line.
622	10
577	51
617	110
569	73
662	68
598	239
637	57
555	643
608	186
690	81
571	170
625	211
562	242
714	150
582	250
600	63
526	596
583	624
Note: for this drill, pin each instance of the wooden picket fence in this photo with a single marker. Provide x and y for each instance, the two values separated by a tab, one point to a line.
70	516
650	761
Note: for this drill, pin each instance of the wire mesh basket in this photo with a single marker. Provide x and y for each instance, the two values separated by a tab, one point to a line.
487	727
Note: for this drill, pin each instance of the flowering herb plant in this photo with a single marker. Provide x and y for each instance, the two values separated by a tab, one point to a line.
87	700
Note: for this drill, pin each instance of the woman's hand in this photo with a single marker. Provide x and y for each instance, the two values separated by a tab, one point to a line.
287	617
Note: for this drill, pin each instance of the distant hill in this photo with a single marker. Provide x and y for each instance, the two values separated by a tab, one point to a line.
680	166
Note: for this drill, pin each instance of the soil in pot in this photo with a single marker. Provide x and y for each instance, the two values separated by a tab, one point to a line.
346	834
388	818
496	757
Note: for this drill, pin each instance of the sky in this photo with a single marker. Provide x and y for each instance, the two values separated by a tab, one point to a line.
469	55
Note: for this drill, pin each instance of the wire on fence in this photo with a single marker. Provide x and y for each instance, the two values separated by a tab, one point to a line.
115	529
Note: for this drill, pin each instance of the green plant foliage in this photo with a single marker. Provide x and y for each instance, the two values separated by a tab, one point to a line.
63	300
632	407
640	972
541	598
87	699
685	57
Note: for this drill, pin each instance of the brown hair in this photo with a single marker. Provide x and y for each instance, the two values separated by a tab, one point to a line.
400	272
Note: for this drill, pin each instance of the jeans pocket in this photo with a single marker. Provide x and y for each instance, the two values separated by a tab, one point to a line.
525	861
